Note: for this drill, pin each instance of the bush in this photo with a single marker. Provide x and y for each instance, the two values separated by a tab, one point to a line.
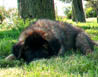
69	15
90	12
68	12
2	17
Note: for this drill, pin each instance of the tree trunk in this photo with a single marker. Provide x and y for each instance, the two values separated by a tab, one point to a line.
77	11
36	9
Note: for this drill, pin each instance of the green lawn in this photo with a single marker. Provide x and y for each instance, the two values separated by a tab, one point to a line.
70	65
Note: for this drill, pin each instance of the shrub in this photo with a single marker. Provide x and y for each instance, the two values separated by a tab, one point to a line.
90	12
2	17
69	15
68	12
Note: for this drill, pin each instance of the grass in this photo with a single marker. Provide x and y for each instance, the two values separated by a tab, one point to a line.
70	65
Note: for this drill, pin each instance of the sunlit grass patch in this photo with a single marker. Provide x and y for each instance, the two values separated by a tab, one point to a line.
11	72
88	25
92	31
91	20
73	65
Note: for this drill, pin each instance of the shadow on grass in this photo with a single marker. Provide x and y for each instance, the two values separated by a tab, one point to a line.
8	64
14	63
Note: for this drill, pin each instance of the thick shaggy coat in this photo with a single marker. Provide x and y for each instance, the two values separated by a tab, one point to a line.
45	38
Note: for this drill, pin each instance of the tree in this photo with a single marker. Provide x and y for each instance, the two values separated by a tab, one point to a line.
94	4
36	9
77	10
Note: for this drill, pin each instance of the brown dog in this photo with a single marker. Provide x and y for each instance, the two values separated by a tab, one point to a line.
46	38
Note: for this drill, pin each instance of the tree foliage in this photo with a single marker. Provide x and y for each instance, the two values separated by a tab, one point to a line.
93	3
90	12
3	14
67	10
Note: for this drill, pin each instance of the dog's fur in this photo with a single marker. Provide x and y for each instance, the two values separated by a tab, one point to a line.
46	38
